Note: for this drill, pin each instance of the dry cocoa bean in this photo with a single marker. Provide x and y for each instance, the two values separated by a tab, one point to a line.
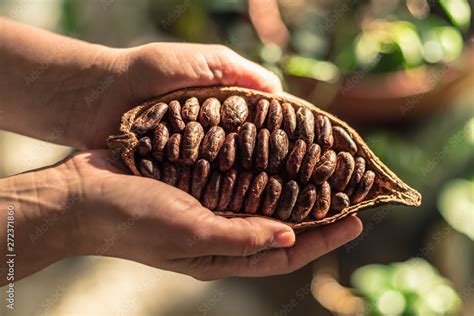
234	112
339	202
190	110
324	131
174	117
247	138
210	114
272	195
305	125
184	177
169	174
344	168
159	143
211	194
295	158
244	180
287	200
212	143
255	192
358	173
363	187
310	161
262	149
228	152
149	169
144	146
343	141
325	167
150	118
323	201
228	183
261	111
275	115
201	172
279	144
173	147
289	120
304	203
193	135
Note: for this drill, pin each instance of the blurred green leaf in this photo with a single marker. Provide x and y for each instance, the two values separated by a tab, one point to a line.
458	11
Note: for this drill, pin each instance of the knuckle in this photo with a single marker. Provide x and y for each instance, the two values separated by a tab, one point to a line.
251	243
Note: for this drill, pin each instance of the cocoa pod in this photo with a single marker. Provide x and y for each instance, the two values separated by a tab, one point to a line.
210	114
248	153
261	111
212	143
174	117
193	135
234	112
190	110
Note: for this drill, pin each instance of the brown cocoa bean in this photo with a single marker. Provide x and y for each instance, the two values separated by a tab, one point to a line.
159	143
234	112
310	161
363	187
289	120
229	180
244	180
287	200
324	131
201	172
228	152
305	125
210	114
150	118
149	169
255	192
323	201
295	158
272	195
169	174
343	141
262	149
212	192
325	167
261	111
357	175
190	110
339	202
279	144
304	203
344	168
174	117
247	138
193	135
184	177
173	147
275	115
144	146
212	143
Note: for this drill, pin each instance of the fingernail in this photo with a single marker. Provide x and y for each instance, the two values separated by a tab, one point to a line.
283	239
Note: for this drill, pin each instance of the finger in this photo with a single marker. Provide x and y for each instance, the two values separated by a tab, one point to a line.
240	236
309	246
231	69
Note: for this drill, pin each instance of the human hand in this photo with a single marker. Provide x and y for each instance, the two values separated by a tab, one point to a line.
148	71
144	220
